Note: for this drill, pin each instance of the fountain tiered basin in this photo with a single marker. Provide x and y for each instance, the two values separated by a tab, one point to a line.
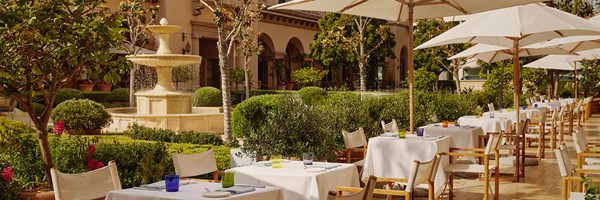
163	107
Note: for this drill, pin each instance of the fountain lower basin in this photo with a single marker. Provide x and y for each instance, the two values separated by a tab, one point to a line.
201	119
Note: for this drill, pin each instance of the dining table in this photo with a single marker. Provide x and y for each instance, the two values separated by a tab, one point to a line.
462	136
552	105
297	181
489	125
391	157
194	190
507	114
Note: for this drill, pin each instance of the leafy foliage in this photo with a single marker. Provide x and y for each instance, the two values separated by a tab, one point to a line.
19	149
309	76
181	74
66	94
119	95
312	95
207	97
590	81
81	114
165	135
425	80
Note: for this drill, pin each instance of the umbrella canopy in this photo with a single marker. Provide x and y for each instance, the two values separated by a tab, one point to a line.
492	53
527	24
575	43
515	27
402	10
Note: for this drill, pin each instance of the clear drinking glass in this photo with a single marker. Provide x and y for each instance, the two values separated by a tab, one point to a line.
228	179
307	158
172	182
276	161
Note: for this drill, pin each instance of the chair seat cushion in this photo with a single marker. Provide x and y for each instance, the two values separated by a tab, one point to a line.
595	167
507	147
467	168
591	161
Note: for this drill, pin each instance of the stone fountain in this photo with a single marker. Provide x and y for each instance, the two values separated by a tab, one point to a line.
163	107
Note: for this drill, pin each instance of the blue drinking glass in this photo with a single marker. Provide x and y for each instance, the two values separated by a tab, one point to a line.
543	101
535	105
172	182
420	131
523	107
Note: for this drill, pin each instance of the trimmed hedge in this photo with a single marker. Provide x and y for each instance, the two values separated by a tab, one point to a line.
208	97
100	97
312	95
118	95
164	135
66	94
81	114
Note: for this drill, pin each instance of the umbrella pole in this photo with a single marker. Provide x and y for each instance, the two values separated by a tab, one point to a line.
575	71
500	104
411	67
516	83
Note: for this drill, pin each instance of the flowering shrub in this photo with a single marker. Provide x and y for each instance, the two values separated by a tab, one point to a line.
92	164
7	174
59	128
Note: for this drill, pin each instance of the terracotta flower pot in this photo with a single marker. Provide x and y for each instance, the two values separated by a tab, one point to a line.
86	87
105	87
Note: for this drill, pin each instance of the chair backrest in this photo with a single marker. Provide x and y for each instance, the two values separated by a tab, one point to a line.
564	161
355	139
389	127
370	187
239	158
491	107
580	141
528	101
365	194
542	97
493	143
420	172
89	185
187	165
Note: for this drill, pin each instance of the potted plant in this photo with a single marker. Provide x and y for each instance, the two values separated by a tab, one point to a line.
81	115
104	87
86	85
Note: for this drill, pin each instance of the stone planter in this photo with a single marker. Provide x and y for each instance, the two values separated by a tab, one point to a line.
86	87
105	87
290	85
97	131
45	195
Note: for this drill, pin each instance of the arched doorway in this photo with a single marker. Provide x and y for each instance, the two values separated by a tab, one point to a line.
265	61
294	57
403	63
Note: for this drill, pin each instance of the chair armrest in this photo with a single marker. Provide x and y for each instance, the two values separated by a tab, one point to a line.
584	155
466	149
391	192
339	189
383	179
463	154
587	171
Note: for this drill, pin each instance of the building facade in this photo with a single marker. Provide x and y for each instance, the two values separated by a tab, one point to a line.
285	35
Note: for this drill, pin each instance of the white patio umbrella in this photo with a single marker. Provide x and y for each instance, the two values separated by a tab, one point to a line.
575	43
515	27
564	62
492	53
402	10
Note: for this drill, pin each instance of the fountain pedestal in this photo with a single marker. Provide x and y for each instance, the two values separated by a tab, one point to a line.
160	103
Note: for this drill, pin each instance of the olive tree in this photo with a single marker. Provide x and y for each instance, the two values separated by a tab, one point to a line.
45	45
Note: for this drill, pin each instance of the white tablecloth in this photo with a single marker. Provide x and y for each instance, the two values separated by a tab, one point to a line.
551	105
529	112
462	136
193	191
297	183
504	114
392	157
567	101
487	124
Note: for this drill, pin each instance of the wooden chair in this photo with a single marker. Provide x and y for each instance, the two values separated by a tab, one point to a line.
587	155
239	158
355	141
568	173
421	174
491	106
389	127
491	148
189	165
89	185
537	131
528	101
365	193
514	146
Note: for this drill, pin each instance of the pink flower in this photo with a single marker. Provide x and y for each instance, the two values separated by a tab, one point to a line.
8	174
93	164
91	149
59	128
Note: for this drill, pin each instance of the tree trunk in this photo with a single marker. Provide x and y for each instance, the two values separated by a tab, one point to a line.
223	59
361	62
247	82
132	86
456	78
45	147
555	80
550	82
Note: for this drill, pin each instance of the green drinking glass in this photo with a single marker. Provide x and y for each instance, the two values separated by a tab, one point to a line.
228	179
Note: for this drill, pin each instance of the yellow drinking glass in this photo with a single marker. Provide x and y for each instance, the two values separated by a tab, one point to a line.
402	134
276	161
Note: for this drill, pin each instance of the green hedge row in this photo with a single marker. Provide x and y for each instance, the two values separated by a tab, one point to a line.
138	162
291	124
164	135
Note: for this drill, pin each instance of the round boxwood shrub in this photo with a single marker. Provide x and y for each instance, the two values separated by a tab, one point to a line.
208	97
312	95
38	108
119	95
66	94
81	114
